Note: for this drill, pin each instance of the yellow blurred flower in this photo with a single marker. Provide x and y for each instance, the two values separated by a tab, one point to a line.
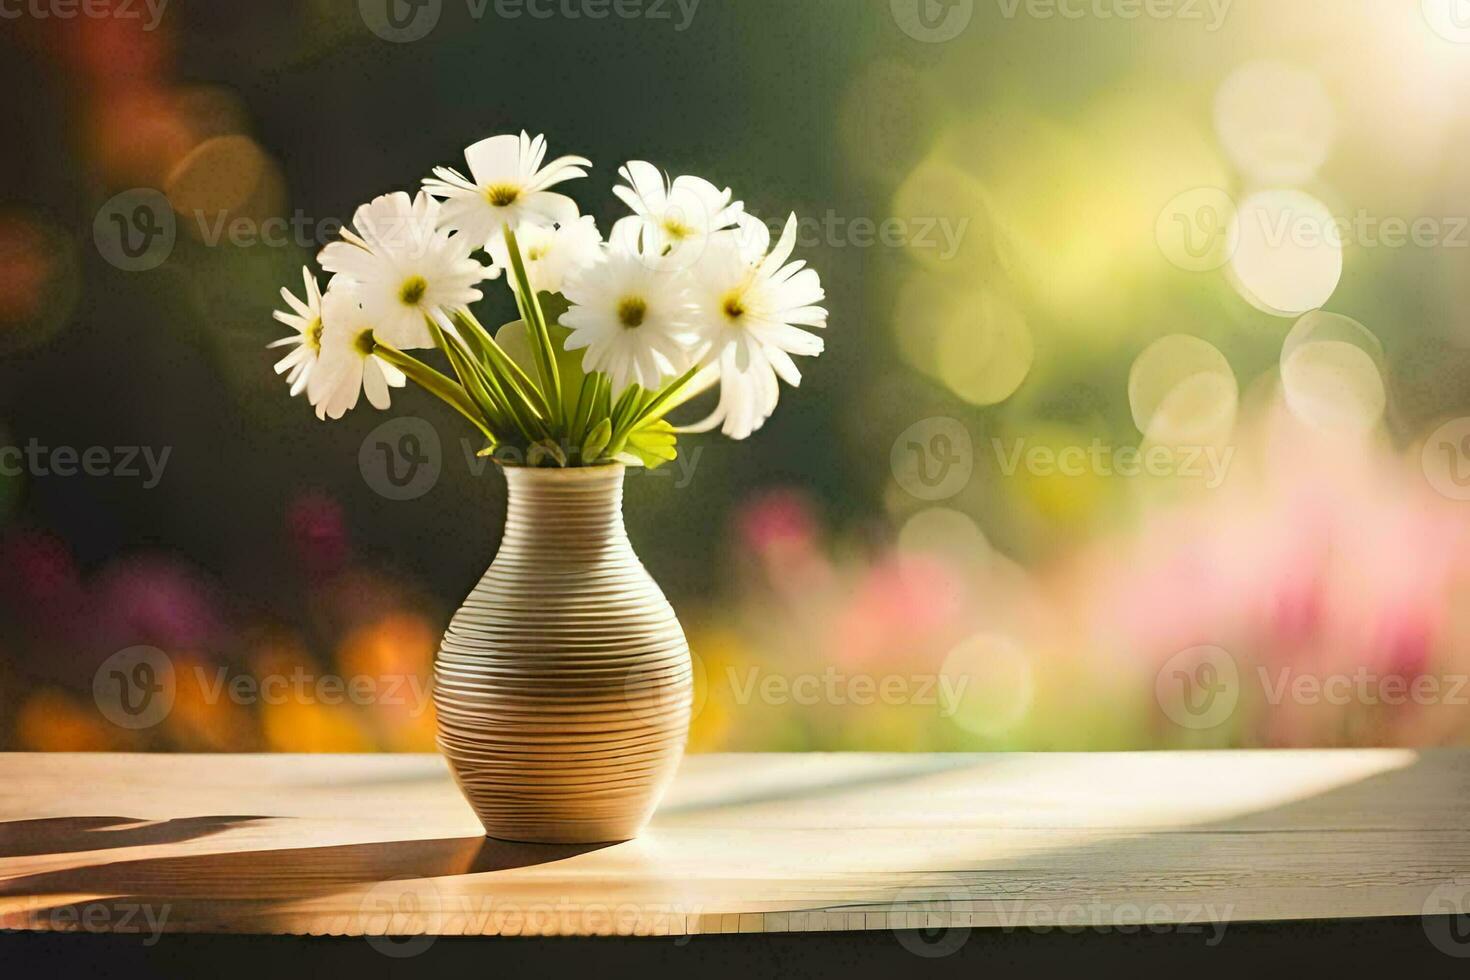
52	721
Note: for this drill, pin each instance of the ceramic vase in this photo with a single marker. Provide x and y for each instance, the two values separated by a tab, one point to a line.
563	685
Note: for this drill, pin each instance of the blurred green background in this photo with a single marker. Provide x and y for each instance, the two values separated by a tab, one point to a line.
1053	235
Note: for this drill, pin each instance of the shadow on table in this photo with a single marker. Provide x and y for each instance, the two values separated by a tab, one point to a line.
255	882
293	873
1155	861
67	835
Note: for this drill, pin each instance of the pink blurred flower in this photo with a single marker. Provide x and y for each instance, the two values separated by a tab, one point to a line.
781	530
896	610
156	600
318	532
39	577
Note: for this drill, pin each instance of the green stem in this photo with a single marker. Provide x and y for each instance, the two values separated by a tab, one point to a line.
536	321
486	386
472	380
622	417
651	411
582	414
498	360
435	384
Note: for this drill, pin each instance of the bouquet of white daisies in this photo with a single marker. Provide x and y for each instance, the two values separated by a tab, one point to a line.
685	293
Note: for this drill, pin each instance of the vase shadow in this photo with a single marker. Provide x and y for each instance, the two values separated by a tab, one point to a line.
65	835
290	872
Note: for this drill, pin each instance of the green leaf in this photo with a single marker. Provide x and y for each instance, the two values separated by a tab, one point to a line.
517	341
654	444
546	449
655	406
436	384
582	414
471	379
542	345
624	417
487	387
509	375
597	441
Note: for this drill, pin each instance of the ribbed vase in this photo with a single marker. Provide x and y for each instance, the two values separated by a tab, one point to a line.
563	686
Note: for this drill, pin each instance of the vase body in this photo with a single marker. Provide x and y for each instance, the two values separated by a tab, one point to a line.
563	685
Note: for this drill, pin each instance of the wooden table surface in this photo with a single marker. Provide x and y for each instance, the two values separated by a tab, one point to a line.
351	845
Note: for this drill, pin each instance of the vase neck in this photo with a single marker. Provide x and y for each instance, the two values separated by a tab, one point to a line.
564	511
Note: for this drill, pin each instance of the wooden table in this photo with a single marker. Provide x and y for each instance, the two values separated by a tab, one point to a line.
372	845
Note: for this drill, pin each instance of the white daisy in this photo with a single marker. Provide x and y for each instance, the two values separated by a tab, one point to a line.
633	318
674	219
306	343
507	186
404	267
347	367
751	307
550	253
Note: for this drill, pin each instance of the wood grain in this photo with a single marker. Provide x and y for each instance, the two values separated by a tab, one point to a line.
385	844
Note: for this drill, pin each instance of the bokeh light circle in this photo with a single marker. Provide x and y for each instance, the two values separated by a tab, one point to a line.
1331	374
1285	252
993	682
39	279
217	177
984	349
1320	325
944	218
1275	121
1199	411
1182	390
946	534
925	302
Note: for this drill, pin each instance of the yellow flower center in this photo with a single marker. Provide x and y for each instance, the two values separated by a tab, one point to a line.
413	290
535	253
366	343
677	229
314	334
734	305
631	311
502	195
